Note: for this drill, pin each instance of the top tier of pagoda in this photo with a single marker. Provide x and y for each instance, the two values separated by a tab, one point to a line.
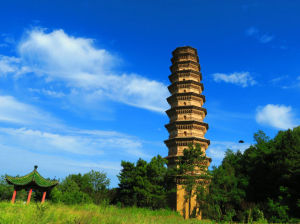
186	113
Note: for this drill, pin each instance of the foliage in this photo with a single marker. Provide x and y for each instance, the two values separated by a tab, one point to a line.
192	174
263	182
143	184
78	188
6	190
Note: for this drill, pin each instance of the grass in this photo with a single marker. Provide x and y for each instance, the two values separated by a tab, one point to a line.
35	213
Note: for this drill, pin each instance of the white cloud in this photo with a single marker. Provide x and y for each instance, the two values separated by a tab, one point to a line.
48	92
261	37
16	112
47	134
288	83
36	140
67	58
84	68
277	116
71	141
243	79
10	65
278	79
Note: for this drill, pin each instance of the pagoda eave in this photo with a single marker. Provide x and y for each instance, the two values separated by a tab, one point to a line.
178	73
182	64
172	125
174	84
185	94
173	109
175	157
175	141
177	57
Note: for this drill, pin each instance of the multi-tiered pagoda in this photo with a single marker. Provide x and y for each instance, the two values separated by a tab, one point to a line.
186	113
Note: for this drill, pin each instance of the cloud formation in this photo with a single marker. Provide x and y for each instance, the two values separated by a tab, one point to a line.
261	37
276	116
16	112
242	79
293	84
81	67
29	130
65	138
72	142
11	65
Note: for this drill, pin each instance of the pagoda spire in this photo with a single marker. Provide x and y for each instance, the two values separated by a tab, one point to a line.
186	126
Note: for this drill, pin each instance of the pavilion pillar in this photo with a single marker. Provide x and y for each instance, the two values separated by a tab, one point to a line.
14	197
44	196
29	196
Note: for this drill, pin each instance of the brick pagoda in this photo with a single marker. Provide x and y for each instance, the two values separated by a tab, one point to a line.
186	114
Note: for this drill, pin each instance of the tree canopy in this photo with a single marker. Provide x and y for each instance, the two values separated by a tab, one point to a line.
262	182
143	184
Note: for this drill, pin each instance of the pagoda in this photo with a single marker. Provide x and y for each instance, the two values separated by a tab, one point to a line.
31	181
186	126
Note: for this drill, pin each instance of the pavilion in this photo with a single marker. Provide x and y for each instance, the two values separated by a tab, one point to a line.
31	181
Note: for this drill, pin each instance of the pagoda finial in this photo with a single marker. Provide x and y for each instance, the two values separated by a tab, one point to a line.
35	167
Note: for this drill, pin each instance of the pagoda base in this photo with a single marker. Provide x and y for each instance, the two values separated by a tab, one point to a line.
187	208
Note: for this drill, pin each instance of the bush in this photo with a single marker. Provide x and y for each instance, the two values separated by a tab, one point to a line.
91	187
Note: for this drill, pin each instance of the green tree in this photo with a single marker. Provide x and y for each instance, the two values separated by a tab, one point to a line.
78	188
227	190
6	190
99	183
126	191
263	182
193	175
143	184
69	192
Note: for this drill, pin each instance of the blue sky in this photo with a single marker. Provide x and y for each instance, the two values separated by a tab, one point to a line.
83	83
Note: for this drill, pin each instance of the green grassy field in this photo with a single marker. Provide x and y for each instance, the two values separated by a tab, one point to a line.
34	213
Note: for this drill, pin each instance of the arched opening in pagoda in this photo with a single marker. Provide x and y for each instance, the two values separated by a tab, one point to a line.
32	181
